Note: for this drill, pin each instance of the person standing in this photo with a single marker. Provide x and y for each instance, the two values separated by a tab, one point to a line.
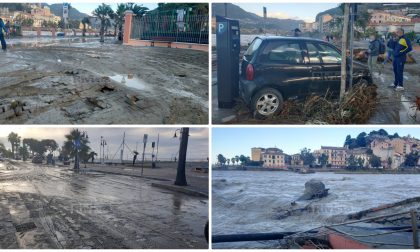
373	51
402	47
2	40
390	48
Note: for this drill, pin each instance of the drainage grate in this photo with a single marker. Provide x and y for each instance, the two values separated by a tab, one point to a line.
25	227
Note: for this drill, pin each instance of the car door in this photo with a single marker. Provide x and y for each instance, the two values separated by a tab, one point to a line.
331	68
281	64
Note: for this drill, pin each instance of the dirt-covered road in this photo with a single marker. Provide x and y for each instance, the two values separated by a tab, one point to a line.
53	207
90	83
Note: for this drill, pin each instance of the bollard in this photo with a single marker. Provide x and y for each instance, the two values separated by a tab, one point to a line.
414	227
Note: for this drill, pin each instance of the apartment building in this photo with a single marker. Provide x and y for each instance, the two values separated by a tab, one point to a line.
273	158
337	156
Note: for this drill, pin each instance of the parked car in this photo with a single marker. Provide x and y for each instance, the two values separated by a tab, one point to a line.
275	69
37	159
61	34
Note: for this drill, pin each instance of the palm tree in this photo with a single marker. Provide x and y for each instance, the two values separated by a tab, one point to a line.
237	159
138	10
85	21
14	140
119	18
104	13
69	147
233	160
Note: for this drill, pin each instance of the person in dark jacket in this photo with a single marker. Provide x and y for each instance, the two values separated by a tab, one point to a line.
3	42
373	51
402	47
390	48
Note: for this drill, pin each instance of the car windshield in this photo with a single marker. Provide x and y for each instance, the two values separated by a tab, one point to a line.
252	49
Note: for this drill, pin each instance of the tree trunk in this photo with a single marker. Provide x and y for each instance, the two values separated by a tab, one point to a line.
181	179
344	51
102	30
84	30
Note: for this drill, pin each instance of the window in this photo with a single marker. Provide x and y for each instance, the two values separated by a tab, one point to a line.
250	52
282	52
329	55
313	54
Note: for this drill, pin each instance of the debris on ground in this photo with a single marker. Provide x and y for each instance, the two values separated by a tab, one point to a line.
357	107
96	102
64	92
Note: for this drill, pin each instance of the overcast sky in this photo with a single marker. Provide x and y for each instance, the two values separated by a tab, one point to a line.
168	145
236	141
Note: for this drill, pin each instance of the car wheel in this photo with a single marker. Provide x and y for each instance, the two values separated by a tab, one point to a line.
267	102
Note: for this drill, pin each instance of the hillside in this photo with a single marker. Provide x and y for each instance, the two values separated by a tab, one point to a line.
74	14
377	6
251	23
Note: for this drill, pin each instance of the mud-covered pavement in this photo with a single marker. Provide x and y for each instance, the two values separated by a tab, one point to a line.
397	107
52	207
90	83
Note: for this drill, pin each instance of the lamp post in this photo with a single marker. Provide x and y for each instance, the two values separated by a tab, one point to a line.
181	179
103	144
79	137
144	148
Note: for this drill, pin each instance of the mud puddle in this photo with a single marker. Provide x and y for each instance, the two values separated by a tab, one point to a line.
408	111
131	81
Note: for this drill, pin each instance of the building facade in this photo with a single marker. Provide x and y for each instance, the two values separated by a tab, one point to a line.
337	156
274	158
256	153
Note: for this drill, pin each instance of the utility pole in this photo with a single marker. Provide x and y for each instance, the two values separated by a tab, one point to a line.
144	149
181	179
352	17
225	9
122	149
344	51
157	148
265	18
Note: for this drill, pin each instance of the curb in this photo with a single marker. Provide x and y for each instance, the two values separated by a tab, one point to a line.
180	189
125	174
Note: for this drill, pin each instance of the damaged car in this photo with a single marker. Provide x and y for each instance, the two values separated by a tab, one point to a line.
275	69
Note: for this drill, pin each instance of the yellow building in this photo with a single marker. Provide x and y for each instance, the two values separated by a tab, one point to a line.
380	17
273	158
256	153
337	156
40	15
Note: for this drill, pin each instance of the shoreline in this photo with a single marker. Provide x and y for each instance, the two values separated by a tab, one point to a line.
336	171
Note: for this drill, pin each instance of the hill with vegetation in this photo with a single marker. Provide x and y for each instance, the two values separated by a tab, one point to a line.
251	23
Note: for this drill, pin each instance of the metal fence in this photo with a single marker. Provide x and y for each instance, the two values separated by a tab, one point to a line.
173	26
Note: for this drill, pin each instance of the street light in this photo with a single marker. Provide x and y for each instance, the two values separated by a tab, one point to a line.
103	143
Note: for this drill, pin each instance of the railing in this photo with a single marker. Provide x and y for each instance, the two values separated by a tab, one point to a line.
173	26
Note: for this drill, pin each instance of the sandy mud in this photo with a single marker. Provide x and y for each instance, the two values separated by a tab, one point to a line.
89	83
53	207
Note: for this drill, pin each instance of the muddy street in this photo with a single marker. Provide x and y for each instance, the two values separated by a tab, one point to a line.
52	207
90	83
397	107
